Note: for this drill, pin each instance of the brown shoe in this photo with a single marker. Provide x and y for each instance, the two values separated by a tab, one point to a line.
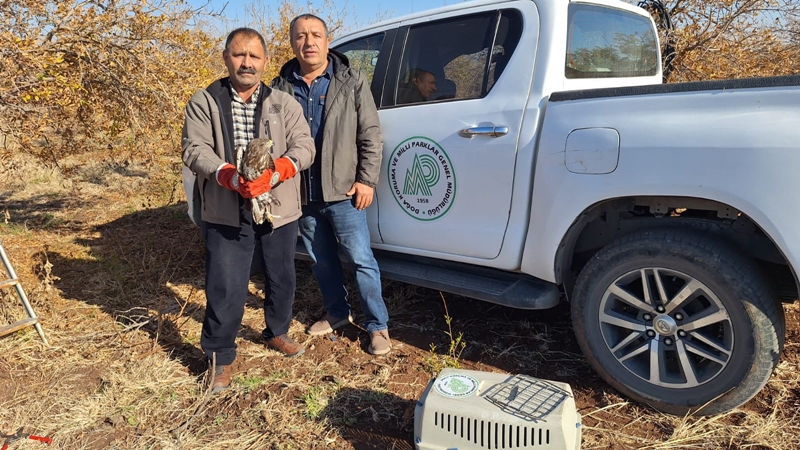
286	345
220	378
327	324
380	343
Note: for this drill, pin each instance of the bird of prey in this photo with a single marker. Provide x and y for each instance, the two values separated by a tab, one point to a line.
257	158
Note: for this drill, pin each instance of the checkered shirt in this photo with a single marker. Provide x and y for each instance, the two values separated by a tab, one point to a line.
244	121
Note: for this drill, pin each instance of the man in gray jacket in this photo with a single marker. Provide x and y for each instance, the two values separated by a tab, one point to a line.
341	112
220	121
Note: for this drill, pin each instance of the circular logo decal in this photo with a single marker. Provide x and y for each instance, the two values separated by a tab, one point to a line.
456	385
275	178
422	178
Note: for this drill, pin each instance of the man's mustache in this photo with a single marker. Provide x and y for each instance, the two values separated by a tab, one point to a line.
246	70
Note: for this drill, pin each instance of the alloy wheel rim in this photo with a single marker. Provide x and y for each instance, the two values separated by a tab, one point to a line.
666	327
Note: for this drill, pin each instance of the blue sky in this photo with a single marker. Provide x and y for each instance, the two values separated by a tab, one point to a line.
357	12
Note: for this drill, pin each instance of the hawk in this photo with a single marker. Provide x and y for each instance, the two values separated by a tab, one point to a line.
257	158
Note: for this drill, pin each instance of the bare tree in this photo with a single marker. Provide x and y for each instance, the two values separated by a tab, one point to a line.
716	39
83	75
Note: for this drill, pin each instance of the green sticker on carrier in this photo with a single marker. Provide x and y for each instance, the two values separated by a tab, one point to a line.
456	386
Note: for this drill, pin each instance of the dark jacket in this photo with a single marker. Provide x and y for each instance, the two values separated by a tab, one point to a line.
352	143
207	143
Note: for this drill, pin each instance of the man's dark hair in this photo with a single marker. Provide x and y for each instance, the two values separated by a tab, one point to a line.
307	16
418	73
246	32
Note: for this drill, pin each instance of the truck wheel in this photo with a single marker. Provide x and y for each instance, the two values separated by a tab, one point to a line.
678	320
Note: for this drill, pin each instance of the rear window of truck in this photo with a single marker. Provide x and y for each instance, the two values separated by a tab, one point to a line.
606	42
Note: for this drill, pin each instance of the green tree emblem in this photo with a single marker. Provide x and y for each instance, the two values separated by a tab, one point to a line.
458	386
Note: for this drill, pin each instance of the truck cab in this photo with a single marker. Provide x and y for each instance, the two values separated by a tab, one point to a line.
457	175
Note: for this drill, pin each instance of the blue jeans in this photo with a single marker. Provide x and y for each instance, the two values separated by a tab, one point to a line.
326	227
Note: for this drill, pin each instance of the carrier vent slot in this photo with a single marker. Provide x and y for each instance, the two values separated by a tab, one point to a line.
491	435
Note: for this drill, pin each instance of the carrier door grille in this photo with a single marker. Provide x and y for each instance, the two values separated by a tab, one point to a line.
492	435
526	397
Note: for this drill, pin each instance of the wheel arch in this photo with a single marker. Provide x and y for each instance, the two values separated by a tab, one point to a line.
601	223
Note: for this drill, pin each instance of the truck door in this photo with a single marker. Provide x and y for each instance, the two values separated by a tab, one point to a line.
451	109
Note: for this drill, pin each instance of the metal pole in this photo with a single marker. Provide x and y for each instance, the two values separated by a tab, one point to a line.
21	292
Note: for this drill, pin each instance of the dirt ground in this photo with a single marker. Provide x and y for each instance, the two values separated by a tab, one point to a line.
115	271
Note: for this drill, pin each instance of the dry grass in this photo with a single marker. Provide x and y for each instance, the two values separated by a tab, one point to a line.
115	270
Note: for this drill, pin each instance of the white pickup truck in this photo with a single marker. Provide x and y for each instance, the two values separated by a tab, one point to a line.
551	160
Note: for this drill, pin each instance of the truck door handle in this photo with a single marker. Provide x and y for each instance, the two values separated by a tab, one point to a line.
484	131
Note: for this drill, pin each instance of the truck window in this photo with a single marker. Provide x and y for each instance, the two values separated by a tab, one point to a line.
363	54
456	59
605	42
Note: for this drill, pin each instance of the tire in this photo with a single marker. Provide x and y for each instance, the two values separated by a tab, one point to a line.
709	348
